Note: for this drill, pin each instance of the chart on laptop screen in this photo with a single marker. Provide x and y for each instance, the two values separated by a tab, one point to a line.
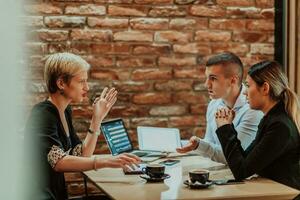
116	136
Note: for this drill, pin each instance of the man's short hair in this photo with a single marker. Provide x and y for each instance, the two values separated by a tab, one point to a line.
230	61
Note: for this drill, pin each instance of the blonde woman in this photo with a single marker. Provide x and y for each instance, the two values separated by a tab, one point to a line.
275	152
50	124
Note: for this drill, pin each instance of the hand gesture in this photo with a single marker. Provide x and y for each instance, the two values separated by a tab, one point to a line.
224	116
120	161
103	104
192	145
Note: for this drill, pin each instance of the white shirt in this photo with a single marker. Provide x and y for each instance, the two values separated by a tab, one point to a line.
246	121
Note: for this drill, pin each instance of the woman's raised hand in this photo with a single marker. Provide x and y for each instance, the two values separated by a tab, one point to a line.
103	104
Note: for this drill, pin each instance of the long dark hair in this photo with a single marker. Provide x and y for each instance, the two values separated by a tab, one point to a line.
270	72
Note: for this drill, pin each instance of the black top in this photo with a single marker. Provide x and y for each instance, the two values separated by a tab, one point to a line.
46	130
273	154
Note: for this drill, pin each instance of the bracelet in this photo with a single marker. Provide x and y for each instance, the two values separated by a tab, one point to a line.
94	164
94	132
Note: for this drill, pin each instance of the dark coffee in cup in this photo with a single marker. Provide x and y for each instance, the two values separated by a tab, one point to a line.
154	170
200	175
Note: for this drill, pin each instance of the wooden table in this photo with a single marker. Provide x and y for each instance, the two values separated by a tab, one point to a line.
115	184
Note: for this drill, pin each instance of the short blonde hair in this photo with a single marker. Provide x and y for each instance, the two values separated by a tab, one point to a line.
62	65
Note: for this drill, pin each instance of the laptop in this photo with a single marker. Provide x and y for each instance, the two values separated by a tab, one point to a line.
158	139
117	138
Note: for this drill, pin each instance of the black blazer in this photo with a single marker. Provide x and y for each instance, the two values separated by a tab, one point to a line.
273	154
45	129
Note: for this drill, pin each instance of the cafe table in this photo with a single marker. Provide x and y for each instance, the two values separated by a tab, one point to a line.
117	185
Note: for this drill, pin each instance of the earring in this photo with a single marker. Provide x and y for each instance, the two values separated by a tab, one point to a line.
61	91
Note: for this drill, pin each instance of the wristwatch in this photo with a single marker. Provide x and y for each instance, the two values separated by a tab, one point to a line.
94	132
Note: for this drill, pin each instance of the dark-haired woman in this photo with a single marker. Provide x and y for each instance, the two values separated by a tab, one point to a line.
275	151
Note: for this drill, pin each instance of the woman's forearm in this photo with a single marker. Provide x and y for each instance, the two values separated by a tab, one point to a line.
75	163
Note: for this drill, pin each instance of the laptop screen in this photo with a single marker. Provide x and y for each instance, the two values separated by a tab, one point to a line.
158	139
116	136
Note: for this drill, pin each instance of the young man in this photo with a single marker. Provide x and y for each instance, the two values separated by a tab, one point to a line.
224	75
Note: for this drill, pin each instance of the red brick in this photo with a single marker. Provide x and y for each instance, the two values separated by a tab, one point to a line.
173	36
80	48
167	11
43	8
195	48
200	86
184	121
212	36
33	21
185	2
265	3
149	121
116	48
135	62
177	61
132	86
236	3
253	59
113	1
237	48
149	23
199	109
175	85
250	37
124	98
202	48
186	24
190	97
57	47
107	22
152	98
128	111
137	36
82	111
168	110
153	2
271	38
99	62
207	11
91	35
64	21
151	49
78	1
268	13
151	74
243	12
110	74
194	73
52	35
227	24
262	49
88	9
260	25
127	10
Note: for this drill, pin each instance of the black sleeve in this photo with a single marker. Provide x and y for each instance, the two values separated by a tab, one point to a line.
272	144
43	127
76	148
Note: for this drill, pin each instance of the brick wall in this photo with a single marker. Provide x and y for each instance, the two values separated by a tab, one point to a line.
153	52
